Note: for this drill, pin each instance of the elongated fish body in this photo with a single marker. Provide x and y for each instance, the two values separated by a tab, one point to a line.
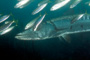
40	8
77	18
3	18
39	22
59	5
22	3
5	26
75	3
43	2
57	27
31	23
7	30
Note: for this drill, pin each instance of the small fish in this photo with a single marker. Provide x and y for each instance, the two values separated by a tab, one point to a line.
22	3
37	10
3	18
59	5
43	2
39	22
5	26
31	23
7	30
75	3
77	18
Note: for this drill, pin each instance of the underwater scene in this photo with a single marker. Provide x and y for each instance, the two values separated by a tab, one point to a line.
45	29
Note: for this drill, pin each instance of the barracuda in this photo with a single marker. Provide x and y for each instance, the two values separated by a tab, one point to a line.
57	27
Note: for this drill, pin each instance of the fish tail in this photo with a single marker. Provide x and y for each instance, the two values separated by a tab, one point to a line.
45	13
15	21
11	14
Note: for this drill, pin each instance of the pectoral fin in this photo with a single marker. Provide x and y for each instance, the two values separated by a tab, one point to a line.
66	38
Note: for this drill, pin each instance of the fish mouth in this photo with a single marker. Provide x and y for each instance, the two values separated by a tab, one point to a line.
26	38
23	37
27	35
30	35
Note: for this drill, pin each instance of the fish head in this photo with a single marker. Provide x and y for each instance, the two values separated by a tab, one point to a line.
52	9
29	35
55	7
42	33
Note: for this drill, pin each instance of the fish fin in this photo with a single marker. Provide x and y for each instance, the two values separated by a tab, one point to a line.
11	14
67	38
60	38
86	12
74	20
16	21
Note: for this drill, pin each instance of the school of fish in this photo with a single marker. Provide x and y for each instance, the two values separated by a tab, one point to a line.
37	29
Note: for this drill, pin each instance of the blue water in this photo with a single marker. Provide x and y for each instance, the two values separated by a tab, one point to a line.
50	49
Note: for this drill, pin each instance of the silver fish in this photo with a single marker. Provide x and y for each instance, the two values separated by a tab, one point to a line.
39	22
5	26
40	8
3	18
57	27
43	2
22	3
31	23
77	18
7	30
75	3
59	5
